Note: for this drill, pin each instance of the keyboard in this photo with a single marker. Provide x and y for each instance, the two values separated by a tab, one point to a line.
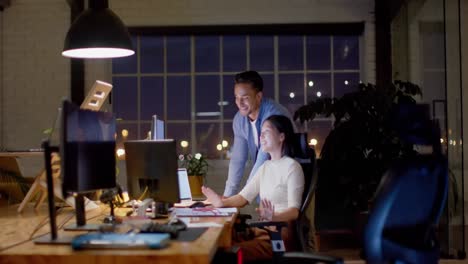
154	227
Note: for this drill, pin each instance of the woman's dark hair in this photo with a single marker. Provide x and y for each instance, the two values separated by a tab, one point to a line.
250	77
283	125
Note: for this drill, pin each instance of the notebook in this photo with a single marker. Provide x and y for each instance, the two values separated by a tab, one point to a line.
184	190
120	241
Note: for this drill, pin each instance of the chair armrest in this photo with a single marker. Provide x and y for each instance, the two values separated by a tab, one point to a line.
261	224
303	257
243	217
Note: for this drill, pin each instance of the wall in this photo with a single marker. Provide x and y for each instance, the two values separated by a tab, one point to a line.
34	74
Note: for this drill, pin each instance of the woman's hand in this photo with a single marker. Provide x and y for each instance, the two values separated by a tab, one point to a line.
212	196
266	210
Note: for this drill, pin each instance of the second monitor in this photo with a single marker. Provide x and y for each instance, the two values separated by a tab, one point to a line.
152	169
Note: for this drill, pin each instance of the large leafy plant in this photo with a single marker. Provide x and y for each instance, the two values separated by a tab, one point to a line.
362	143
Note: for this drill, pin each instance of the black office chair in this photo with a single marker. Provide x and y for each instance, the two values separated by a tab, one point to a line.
401	226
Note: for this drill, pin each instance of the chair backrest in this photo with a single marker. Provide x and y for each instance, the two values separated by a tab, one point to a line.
408	205
305	155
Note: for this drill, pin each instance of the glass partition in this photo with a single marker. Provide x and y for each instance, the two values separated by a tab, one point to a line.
426	51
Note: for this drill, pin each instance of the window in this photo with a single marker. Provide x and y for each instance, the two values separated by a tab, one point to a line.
188	81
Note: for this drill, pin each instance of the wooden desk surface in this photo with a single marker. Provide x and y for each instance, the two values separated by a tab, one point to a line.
16	245
22	154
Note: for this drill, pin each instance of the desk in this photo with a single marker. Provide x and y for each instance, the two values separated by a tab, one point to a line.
16	247
21	154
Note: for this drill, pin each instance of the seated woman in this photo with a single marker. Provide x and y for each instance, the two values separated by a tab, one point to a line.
279	182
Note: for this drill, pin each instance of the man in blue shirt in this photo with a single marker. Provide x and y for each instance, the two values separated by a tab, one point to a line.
253	110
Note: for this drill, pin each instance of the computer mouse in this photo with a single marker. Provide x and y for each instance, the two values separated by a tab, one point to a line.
197	205
179	224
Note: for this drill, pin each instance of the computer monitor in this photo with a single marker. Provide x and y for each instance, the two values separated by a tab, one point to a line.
93	101
184	185
87	153
157	128
152	168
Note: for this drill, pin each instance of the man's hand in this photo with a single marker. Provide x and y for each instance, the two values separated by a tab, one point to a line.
266	210
212	196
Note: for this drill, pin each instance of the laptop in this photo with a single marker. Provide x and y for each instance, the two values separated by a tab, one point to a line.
185	194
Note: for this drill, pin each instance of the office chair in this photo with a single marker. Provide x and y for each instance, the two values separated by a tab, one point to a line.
298	229
402	224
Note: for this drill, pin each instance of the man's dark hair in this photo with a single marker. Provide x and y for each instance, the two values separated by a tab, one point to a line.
251	77
283	125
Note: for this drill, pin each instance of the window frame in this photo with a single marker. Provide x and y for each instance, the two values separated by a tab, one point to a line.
305	30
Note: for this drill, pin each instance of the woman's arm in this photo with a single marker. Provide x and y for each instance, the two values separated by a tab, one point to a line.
235	201
217	201
287	215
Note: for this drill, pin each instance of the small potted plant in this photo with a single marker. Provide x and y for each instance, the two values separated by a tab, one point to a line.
197	167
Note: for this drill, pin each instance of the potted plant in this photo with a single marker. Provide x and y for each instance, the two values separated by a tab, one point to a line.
359	149
197	167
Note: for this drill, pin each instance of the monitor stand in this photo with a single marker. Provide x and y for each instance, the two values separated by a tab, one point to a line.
158	209
53	238
80	224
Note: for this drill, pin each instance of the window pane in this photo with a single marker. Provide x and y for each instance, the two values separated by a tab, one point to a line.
132	130
145	128
346	83
261	53
319	131
234	53
346	52
180	132
318	52
290	53
126	64
207	54
207	97
207	139
152	54
124	95
268	85
230	109
178	98
178	54
228	136
318	85
152	97
291	91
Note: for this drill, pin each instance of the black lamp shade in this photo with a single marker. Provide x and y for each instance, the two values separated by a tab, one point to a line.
98	33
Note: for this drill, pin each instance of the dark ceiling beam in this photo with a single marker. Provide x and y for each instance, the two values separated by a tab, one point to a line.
385	11
77	65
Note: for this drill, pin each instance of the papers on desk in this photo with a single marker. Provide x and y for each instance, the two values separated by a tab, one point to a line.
204	211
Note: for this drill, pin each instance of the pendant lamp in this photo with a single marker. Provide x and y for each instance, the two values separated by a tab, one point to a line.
97	33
